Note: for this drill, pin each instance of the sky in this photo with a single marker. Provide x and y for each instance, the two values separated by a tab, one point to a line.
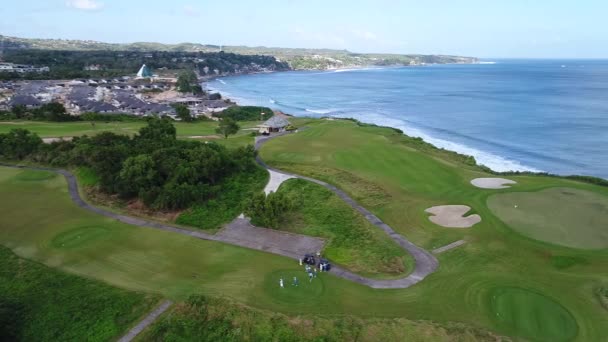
486	29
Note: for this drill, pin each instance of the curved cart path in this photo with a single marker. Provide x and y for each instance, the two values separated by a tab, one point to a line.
425	262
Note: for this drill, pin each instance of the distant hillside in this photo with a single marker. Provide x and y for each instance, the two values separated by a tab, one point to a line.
297	58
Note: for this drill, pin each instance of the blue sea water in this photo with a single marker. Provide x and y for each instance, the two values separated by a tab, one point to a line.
537	115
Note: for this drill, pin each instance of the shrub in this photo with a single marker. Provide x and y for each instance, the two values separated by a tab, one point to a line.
267	211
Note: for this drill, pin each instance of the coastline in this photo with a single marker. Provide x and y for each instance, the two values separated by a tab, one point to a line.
494	163
457	148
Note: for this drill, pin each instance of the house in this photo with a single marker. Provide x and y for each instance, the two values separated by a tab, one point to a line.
25	100
274	125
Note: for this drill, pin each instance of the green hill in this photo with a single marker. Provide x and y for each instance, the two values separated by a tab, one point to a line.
298	58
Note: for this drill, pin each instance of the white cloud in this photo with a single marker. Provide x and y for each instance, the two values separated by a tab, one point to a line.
85	5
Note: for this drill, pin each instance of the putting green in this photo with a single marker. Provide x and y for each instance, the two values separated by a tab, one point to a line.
79	237
563	216
305	293
34	175
531	315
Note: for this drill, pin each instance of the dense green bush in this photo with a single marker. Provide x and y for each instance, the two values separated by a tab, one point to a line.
165	173
18	143
268	211
228	203
245	113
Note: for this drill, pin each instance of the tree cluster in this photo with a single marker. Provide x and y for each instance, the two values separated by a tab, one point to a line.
187	82
268	211
71	64
53	111
153	166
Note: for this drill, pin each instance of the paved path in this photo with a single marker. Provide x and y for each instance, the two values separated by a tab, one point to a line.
242	233
425	262
146	321
448	247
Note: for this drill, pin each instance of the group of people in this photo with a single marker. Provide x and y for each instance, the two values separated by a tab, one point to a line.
310	270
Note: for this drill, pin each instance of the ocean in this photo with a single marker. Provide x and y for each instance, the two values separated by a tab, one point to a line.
521	115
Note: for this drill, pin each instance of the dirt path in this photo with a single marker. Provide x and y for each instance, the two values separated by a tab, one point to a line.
425	262
152	316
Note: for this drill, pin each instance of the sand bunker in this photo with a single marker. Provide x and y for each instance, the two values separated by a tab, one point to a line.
451	216
492	183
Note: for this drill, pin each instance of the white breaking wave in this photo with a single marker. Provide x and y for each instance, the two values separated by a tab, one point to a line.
221	81
486	62
320	111
272	101
355	69
494	162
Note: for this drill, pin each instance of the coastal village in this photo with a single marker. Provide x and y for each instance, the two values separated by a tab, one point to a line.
141	94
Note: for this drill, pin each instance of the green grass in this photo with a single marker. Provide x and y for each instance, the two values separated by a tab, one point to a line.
228	205
49	305
397	178
532	315
386	173
70	129
352	241
564	216
33	176
215	319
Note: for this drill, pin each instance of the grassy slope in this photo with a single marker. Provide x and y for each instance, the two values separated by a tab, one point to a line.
352	241
178	266
214	319
397	190
54	306
383	170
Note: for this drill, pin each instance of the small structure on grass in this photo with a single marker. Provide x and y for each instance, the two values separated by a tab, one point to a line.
275	124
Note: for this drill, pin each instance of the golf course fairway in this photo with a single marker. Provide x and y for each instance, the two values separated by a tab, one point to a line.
501	280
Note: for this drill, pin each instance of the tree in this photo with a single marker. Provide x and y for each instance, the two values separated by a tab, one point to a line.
19	143
186	81
227	127
183	113
138	174
267	211
19	110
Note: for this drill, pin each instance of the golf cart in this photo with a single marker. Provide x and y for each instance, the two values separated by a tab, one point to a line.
309	259
324	265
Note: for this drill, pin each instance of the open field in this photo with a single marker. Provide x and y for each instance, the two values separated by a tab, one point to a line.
563	216
387	174
38	303
204	130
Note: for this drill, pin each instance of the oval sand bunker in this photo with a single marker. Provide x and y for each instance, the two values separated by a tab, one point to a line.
451	216
492	183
